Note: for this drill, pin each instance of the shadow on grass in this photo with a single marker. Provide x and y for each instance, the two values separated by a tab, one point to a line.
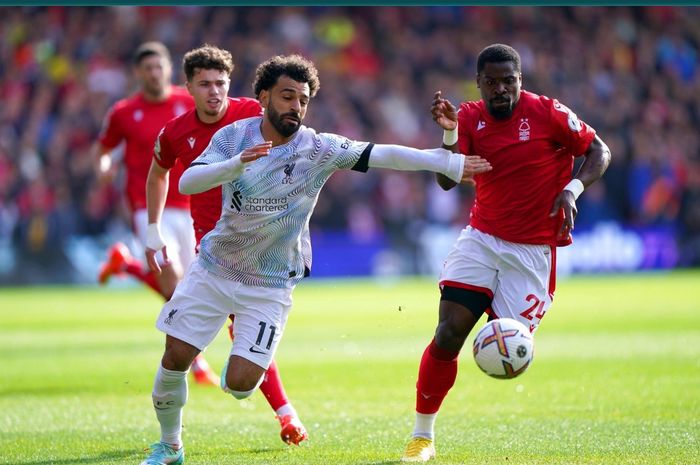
113	455
261	450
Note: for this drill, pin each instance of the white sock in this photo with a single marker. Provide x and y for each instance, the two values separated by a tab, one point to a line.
425	425
169	397
287	409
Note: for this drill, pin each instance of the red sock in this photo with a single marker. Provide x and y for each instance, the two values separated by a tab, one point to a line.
273	389
135	269
436	375
230	327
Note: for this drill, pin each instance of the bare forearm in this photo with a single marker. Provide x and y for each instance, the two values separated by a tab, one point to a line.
156	193
597	161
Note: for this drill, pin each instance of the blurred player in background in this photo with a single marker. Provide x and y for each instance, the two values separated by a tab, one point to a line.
504	262
208	70
136	121
259	249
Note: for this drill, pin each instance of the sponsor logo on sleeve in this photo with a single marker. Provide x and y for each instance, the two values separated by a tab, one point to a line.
572	120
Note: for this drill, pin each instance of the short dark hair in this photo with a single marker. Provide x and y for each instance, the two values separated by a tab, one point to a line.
294	66
147	49
497	53
207	57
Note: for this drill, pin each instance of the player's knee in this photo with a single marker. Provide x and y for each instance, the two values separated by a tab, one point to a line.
237	392
240	388
449	336
240	395
178	354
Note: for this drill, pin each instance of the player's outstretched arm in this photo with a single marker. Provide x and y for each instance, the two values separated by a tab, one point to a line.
597	160
454	166
157	184
201	178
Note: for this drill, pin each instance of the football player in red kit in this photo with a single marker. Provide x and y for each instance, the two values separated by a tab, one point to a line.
504	261
181	140
136	121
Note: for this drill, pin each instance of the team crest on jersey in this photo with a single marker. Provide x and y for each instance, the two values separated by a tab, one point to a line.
288	168
524	130
191	141
138	115
480	125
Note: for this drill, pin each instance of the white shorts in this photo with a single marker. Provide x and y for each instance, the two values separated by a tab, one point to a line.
178	233
519	278
203	301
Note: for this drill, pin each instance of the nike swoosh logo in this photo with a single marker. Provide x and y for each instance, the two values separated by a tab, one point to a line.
256	351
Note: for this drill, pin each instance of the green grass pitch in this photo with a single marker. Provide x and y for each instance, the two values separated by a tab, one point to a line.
615	380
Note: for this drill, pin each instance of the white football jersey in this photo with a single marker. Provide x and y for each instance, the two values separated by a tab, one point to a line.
262	237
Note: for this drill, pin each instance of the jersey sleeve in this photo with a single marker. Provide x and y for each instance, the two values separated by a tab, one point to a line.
218	150
345	153
569	130
111	134
163	151
463	133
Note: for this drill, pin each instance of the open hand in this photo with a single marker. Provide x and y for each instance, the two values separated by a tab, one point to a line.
444	113
256	151
473	165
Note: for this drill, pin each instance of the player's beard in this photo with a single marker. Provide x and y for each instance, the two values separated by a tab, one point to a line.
155	89
285	127
504	111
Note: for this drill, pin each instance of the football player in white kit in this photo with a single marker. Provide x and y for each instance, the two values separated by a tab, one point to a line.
272	169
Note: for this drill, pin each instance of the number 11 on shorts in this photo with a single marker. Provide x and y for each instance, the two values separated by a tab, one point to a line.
261	335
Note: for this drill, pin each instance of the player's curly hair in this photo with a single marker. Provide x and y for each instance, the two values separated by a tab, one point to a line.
207	57
497	53
294	66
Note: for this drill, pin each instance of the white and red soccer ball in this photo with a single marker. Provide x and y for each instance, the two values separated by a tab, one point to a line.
503	348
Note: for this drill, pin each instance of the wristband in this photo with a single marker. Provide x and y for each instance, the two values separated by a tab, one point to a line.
575	186
449	138
154	240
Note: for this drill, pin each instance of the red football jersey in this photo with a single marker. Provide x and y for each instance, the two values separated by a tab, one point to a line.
183	139
137	122
532	155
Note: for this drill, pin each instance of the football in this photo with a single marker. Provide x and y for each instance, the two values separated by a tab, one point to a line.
503	348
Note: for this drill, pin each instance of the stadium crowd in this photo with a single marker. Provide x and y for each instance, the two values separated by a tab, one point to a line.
631	72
